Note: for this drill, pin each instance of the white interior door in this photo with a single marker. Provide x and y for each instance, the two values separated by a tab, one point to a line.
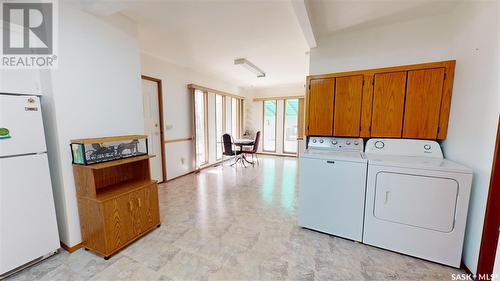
152	127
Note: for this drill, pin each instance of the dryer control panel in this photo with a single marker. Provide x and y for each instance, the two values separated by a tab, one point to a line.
336	144
404	147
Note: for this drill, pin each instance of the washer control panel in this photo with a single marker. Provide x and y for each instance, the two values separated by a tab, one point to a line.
335	143
404	147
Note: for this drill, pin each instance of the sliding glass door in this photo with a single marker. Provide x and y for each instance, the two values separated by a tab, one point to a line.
290	125
269	126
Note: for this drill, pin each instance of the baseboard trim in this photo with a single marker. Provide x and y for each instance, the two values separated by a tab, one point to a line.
71	249
465	268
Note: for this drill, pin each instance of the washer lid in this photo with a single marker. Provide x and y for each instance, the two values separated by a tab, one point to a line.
424	163
351	156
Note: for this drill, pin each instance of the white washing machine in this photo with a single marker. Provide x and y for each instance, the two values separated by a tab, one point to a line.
416	201
332	186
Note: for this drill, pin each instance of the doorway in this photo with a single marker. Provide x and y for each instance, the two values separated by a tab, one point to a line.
491	229
153	125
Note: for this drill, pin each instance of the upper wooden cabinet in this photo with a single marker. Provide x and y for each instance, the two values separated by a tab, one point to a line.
320	102
423	102
388	104
411	101
347	109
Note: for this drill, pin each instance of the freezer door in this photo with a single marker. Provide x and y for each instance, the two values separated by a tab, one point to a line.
28	227
21	126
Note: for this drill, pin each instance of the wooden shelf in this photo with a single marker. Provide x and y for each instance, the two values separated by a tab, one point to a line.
113	191
113	163
108	139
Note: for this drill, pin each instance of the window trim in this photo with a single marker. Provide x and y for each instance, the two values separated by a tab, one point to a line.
275	125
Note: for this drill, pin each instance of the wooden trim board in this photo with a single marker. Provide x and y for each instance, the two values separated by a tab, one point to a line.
71	249
490	237
280	98
108	139
178	140
372	71
162	123
205	89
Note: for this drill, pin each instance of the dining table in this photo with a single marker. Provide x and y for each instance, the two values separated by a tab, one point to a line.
241	143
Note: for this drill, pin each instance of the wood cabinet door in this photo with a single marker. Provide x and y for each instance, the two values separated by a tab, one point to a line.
151	211
423	102
137	201
320	108
347	111
388	104
117	222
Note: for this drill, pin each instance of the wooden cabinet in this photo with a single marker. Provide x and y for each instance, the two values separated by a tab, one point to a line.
388	104
423	103
347	110
411	101
117	202
320	102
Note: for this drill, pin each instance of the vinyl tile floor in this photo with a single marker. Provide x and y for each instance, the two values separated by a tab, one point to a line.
228	223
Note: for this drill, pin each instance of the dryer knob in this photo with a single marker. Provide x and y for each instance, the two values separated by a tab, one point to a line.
379	145
348	142
314	140
321	141
427	147
334	142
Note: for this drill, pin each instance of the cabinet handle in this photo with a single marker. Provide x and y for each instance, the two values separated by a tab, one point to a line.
139	202
130	205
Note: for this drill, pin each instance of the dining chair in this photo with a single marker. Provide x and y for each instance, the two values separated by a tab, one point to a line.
254	149
228	149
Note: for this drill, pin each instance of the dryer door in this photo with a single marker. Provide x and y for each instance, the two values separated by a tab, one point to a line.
413	200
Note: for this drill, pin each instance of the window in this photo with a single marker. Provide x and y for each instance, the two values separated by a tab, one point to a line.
234	115
290	123
215	113
201	127
218	125
269	126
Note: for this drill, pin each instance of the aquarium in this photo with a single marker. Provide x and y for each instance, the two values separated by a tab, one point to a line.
91	151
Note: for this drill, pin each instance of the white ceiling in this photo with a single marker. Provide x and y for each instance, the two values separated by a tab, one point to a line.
330	16
209	35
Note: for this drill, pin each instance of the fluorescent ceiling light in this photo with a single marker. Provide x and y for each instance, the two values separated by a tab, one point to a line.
250	66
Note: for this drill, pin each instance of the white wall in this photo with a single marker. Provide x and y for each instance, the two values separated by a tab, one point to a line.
469	34
94	92
177	108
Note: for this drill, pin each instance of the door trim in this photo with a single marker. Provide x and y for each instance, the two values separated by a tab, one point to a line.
162	127
491	228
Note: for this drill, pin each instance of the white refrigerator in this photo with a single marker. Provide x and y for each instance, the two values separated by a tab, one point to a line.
28	227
